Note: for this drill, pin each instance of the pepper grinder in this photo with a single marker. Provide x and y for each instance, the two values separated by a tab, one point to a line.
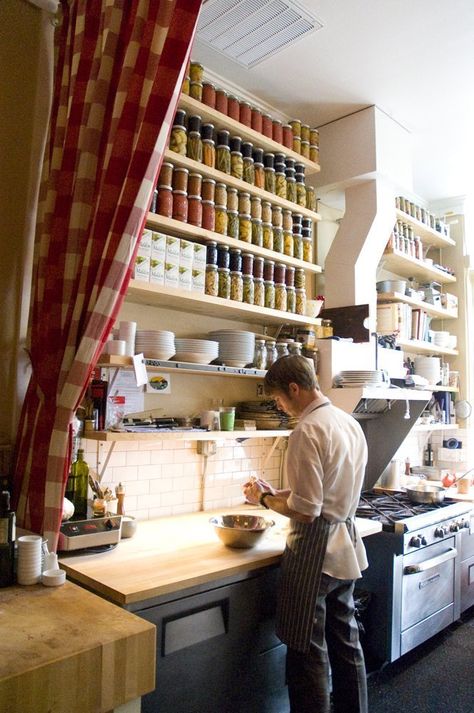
120	493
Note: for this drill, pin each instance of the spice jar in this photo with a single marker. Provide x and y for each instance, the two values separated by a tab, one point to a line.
208	189
287	219
164	202
267	126
236	287
194	183
290	300
221	219
249	171
277	216
258	292
269	172
208	215
258	265
256	120
221	101
166	175
209	94
212	281
244	202
233	224
235	260
180	206
269	294
287	136
247	263
221	194
248	289
195	91
233	199
195	211
245	114
178	139
224	282
258	169
267	232
300	301
300	277
268	269
277	239
236	160
277	131
257	233
245	228
280	297
288	243
196	71
233	107
296	127
211	252
256	207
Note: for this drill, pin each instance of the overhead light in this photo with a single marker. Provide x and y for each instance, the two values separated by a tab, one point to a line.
249	31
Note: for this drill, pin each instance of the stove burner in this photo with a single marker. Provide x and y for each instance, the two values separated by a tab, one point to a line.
389	508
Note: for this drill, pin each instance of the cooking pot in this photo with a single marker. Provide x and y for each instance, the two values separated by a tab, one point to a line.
426	494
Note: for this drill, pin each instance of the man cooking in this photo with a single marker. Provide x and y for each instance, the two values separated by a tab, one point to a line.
326	459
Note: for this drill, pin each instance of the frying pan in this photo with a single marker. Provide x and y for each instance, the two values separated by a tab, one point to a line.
426	494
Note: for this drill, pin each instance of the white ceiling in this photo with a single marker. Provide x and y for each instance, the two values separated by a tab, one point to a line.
414	59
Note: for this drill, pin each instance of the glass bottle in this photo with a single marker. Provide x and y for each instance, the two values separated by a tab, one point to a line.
7	541
77	486
282	349
260	355
271	353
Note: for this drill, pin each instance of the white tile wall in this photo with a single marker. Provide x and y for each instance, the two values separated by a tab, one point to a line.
164	477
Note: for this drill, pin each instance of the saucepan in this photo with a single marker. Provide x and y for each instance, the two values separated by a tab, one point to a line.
425	493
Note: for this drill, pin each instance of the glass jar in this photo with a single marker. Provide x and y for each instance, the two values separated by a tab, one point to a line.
221	194
287	220
245	228
248	289
212	281
304	150
327	328
307	249
300	191
287	136
270	180
223	256
258	266
300	301
223	159
186	85
259	292
288	243
305	133
235	260
247	263
164	202
179	140
277	239
245	114
154	201
259	172
166	176
277	131
208	215
256	120
282	349
267	235
294	348
209	94
280	297
209	153
260	355
192	183
300	277
268	270
195	211
266	214
277	216
195	91
298	246
221	219
295	127
296	144
236	286
211	252
257	233
290	300
233	199
249	169
267	126
269	294
236	160
271	353
244	203
233	224
314	153
221	101
311	202
196	71
208	189
194	146
180	206
290	276
224	282
256	208
291	189
280	184
314	137
233	107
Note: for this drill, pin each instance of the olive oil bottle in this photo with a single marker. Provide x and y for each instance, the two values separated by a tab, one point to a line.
77	486
7	540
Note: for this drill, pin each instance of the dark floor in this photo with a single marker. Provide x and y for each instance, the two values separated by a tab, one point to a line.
436	677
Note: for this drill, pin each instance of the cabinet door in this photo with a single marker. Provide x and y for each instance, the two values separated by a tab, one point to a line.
213	647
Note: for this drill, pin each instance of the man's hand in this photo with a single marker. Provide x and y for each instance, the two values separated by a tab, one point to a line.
254	487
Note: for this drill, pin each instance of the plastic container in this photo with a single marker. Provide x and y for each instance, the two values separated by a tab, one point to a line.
226	418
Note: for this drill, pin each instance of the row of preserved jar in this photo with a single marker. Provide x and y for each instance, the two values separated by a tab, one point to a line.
404	240
424	216
294	135
272	172
233	213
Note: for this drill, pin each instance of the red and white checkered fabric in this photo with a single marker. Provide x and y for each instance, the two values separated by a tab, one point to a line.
120	64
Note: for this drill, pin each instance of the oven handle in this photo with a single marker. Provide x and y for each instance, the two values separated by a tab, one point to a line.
433	562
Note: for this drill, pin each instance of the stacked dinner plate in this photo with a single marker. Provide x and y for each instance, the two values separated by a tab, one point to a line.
196	351
360	378
155	344
265	414
236	348
429	367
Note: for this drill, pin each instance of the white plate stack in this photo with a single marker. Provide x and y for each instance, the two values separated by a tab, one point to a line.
196	351
29	559
155	344
128	332
236	348
360	378
441	339
429	368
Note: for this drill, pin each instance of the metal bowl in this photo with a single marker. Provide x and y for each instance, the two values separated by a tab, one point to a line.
242	531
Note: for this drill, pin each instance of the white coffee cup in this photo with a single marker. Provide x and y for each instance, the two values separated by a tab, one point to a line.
117	347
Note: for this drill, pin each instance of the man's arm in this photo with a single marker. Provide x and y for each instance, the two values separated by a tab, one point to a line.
276	500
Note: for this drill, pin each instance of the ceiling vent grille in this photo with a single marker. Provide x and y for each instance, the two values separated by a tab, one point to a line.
249	31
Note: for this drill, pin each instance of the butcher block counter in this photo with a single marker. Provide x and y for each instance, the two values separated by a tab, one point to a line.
65	650
171	554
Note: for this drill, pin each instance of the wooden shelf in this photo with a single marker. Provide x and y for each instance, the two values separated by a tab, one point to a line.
451	389
416	346
220	120
428	235
172	298
436	312
428	427
407	266
113	437
184	230
220	177
111	361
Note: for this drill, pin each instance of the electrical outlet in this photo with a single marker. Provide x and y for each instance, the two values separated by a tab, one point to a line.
207	448
259	389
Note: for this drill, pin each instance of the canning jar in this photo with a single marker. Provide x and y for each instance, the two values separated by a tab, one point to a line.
290	276
245	227
236	160
233	224
194	146
300	278
232	199
256	120
291	189
208	189
258	169
277	131
235	258
164	202
297	144
195	211
211	252
314	137
305	132
236	286
221	101
221	194
233	107
327	328
248	289
209	94
277	216
287	219
269	179
260	354
186	85
297	245
208	215
180	206
224	282
300	190
244	203
223	158
209	153
271	352
304	149
300	301
245	114
154	202
296	127
166	175
249	169
280	184
307	249
290	299
257	232
277	239
195	91
267	126
288	243
247	263
194	183
221	219
258	264
178	140
212	281
314	153
287	136
279	273
256	207
311	202
258	292
267	232
269	294
196	71
268	269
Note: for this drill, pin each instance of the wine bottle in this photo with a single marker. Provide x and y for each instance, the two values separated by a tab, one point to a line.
7	540
77	486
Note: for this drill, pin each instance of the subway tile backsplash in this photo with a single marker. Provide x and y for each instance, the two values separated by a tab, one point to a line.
165	477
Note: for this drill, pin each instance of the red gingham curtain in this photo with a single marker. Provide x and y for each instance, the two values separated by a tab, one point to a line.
120	65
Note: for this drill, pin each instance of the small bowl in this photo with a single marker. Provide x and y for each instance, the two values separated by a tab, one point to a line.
53	577
129	527
241	531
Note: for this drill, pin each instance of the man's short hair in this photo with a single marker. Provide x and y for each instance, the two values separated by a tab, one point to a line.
288	370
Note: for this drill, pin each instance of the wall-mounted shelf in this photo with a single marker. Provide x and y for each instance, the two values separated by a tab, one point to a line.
219	176
184	230
408	266
180	367
173	298
428	427
113	437
432	310
428	235
415	346
220	120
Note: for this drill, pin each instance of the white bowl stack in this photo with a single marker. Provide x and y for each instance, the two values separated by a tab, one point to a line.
196	351
429	368
236	347
441	339
29	559
155	344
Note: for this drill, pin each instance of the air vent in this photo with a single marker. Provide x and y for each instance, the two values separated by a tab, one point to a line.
249	31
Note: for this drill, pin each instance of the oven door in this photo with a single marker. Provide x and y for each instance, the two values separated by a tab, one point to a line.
428	592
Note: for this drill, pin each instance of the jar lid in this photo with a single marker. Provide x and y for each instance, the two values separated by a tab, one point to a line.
223	137
290	162
207	131
211	243
231	190
247	149
307	223
198	198
182	170
223	269
277	121
300	168
235	251
260	341
179	118
232	212
268	160
194	123
211	267
210	180
222	92
180	193
235	143
280	158
297	218
209	84
207	202
221	207
247	216
245	103
258	156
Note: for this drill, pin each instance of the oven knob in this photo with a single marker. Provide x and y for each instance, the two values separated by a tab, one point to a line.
466	523
439	532
454	527
415	541
424	541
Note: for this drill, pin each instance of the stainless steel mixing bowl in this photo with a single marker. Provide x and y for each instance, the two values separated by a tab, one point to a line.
242	531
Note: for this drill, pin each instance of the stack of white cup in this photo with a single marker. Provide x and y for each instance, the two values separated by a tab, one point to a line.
29	559
127	333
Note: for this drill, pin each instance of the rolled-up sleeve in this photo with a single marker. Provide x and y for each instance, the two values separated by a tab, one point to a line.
305	473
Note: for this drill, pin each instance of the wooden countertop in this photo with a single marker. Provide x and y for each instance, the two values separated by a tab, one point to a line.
175	553
65	650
